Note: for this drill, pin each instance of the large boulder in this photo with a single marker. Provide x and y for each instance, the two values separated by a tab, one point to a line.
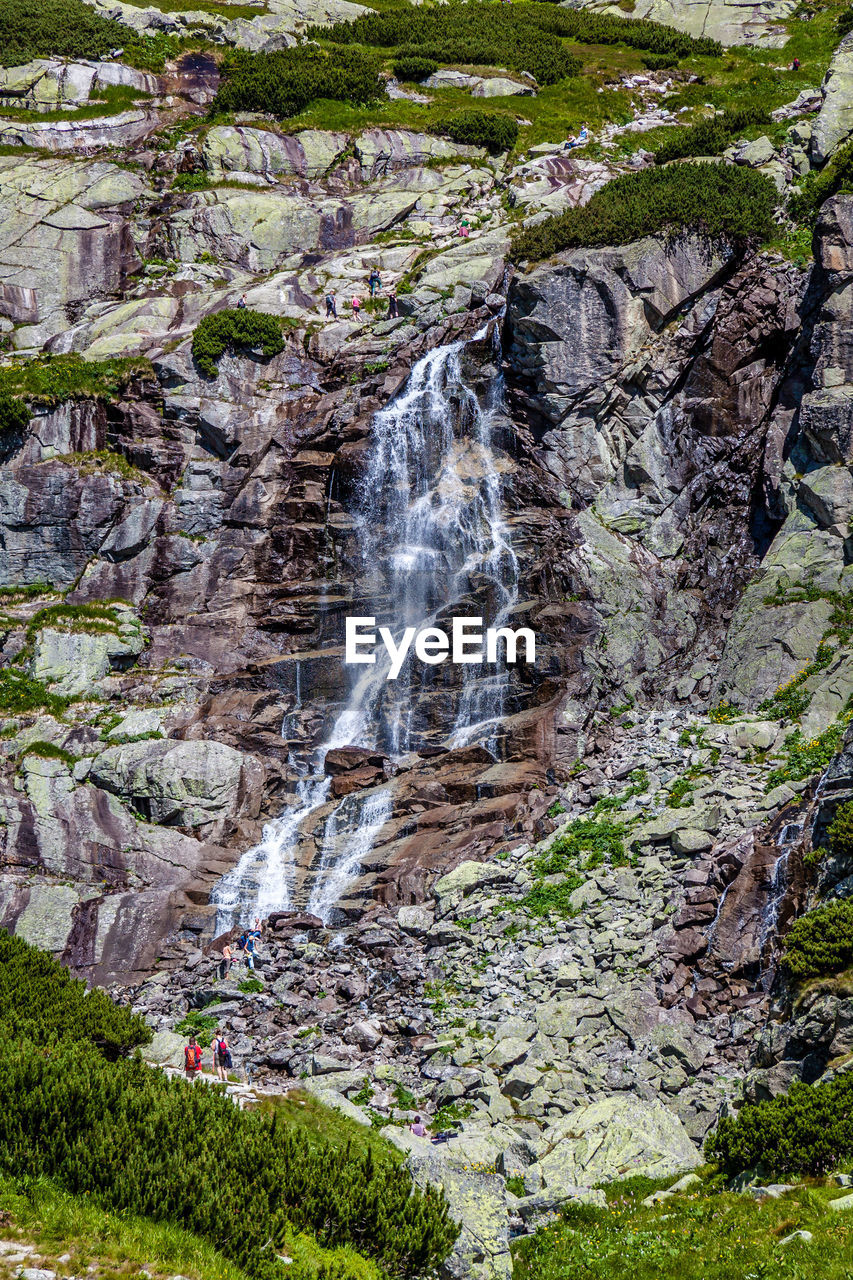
304	155
617	1138
198	784
834	122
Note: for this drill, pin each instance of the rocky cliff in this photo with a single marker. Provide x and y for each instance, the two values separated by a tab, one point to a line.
549	903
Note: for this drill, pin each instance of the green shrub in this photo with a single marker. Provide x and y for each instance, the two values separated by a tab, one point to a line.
659	61
525	37
480	129
192	181
808	1130
721	200
286	81
844	24
72	29
40	1002
804	757
840	831
836	176
14	414
790	700
820	942
414	68
231	330
709	137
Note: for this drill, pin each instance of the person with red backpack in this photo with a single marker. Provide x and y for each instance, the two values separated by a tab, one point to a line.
222	1061
192	1059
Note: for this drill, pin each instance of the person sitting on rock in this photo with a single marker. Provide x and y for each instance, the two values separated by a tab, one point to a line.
242	304
418	1128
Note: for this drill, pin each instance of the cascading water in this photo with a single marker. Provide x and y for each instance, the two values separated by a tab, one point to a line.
432	543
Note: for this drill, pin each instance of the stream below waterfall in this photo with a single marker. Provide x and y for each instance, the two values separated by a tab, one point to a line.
432	543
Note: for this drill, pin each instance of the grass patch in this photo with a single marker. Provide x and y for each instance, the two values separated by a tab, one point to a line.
48	380
804	757
93	617
321	1124
21	694
104	460
704	1235
48	751
197	1024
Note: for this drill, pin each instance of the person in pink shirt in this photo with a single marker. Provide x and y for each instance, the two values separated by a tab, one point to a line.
418	1128
356	306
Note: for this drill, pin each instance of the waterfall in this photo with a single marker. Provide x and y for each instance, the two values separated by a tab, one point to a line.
432	542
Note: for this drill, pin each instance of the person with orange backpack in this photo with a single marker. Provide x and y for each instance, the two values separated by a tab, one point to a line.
221	1055
192	1059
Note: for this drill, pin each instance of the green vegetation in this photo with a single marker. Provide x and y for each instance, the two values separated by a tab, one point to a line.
722	200
14	414
95	460
678	796
807	1130
48	751
48	379
476	128
126	1136
585	844
72	29
414	68
192	181
94	617
523	37
21	694
116	1244
706	1234
806	757
839	833
251	986
820	942
709	137
41	1003
790	700
837	175
473	34
286	81
236	329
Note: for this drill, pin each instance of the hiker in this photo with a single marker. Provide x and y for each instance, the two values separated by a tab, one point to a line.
331	305
249	950
392	304
464	229
374	281
241	305
356	306
222	1060
795	65
418	1128
192	1059
580	141
226	962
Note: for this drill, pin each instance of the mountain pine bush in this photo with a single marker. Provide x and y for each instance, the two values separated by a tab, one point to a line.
475	128
709	137
414	68
234	329
287	80
820	942
526	37
807	1130
73	1109
839	833
72	29
14	414
721	200
836	176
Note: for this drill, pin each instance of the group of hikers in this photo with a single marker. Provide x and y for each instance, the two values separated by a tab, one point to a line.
245	946
374	284
222	1060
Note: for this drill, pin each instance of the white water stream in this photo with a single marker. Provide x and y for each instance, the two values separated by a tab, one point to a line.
433	543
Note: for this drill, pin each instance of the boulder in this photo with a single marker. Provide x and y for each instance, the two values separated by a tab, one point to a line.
617	1138
73	663
834	122
186	784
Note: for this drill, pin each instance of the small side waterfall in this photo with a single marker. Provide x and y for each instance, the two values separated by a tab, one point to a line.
432	542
